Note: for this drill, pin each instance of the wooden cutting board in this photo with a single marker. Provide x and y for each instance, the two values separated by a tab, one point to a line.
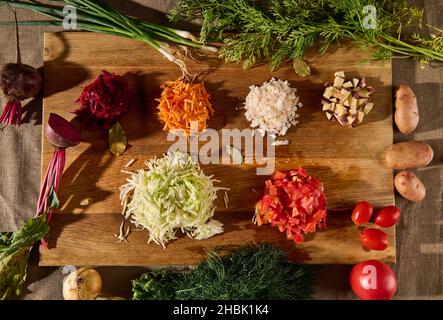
348	161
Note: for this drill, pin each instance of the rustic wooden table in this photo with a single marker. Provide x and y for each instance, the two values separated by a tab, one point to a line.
419	235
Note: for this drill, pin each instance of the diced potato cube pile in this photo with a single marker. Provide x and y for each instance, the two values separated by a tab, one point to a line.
347	101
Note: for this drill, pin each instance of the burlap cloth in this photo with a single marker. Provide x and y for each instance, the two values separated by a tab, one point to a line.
419	242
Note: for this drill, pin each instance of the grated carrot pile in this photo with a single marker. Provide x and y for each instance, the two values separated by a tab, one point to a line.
182	103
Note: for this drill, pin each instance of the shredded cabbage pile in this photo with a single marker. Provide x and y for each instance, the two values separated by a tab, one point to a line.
173	193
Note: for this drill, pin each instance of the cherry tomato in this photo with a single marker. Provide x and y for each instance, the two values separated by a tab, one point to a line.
387	217
362	212
374	239
373	280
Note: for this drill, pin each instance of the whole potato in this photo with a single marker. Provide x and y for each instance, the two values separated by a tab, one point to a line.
406	109
409	186
409	154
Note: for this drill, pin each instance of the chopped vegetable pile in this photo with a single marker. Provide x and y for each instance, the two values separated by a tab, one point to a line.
249	273
347	101
294	202
272	107
173	193
182	103
104	100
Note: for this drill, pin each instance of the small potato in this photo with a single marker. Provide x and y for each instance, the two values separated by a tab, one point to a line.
409	154
406	109
409	186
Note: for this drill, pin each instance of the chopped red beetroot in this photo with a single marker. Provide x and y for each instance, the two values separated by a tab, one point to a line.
104	100
294	202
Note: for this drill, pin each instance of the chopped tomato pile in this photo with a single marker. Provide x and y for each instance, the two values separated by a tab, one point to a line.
182	103
294	202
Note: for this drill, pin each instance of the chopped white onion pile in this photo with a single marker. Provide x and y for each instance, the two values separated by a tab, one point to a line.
272	107
173	193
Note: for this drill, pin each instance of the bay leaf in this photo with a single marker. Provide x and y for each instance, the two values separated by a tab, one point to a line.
301	68
117	139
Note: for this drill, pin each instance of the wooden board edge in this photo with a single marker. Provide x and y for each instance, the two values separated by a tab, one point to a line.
43	264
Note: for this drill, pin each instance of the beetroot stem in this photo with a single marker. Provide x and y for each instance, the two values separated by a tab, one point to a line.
12	115
51	182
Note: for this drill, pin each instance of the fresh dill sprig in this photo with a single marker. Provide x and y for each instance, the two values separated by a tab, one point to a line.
249	273
282	30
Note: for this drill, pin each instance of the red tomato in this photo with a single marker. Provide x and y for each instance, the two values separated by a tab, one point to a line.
374	239
373	280
387	217
362	212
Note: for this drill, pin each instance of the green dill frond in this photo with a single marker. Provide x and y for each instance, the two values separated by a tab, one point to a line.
382	54
432	41
250	273
282	30
292	47
247	47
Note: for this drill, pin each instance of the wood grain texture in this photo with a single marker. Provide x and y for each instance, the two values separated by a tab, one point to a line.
348	161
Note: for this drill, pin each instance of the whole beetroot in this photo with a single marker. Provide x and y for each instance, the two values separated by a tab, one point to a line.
17	82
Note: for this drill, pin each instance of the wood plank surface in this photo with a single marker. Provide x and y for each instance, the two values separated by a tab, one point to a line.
417	263
348	161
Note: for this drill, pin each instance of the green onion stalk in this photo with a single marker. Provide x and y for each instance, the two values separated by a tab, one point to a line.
95	16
